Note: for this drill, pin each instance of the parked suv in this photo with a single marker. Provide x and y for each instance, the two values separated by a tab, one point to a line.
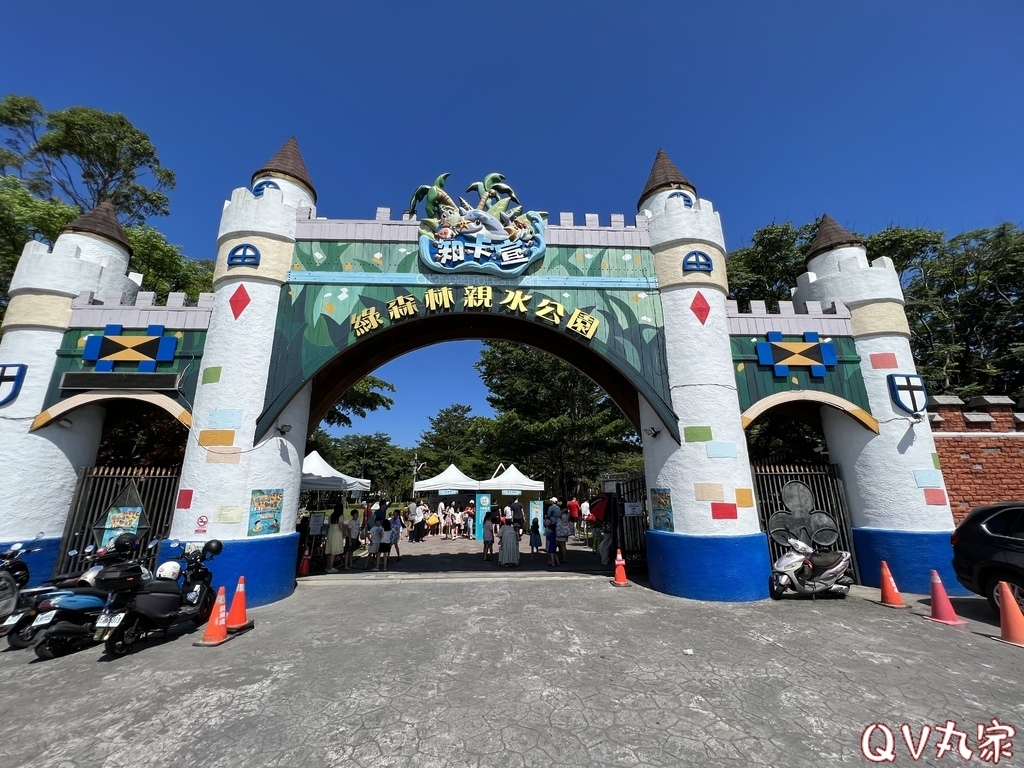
988	547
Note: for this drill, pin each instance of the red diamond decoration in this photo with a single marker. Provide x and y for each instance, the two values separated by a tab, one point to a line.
240	300
700	307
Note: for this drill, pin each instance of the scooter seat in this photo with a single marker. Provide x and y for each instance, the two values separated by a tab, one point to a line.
162	586
89	592
822	561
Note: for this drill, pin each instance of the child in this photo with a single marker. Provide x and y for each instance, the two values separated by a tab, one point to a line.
385	545
376	534
552	545
535	537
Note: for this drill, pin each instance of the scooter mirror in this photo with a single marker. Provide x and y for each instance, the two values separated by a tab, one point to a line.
40	535
152	544
175	543
89	549
72	553
17	546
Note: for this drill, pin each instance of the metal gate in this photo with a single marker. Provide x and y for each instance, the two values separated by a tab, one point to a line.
98	487
633	528
827	488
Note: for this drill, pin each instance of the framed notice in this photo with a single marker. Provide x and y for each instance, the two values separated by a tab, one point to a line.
634	509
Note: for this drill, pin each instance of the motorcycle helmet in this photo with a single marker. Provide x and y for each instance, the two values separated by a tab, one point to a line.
125	544
88	579
213	547
169	570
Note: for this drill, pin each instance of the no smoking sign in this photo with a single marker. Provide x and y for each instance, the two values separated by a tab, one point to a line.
201	523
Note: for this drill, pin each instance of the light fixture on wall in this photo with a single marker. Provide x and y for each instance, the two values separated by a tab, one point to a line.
651	431
284	429
66	423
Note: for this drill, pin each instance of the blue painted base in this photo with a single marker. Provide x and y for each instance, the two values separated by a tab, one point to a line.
40	564
910	555
727	568
268	564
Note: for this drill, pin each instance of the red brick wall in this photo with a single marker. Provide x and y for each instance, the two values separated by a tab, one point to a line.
982	461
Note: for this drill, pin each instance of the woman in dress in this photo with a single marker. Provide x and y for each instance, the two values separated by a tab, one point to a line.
336	540
508	554
488	537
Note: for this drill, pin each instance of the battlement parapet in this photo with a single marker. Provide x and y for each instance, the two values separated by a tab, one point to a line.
268	215
90	311
982	416
384	228
853	280
829	320
65	270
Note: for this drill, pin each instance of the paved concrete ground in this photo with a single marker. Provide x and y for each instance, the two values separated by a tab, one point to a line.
513	668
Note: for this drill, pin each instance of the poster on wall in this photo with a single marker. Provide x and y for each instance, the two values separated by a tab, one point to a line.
483	507
536	510
661	509
124	515
265	512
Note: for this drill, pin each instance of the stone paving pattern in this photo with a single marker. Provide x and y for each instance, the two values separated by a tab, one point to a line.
510	668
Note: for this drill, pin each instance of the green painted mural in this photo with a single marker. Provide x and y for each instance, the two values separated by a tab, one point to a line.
756	381
340	294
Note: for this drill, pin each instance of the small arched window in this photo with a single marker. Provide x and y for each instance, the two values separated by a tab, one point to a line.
262	185
244	255
687	200
697	261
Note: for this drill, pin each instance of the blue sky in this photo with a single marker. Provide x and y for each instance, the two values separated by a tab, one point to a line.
879	113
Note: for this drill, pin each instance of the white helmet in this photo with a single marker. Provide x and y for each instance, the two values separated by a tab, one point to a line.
169	570
89	577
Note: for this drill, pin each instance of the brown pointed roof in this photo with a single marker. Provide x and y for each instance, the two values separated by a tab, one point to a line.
288	161
831	235
102	221
664	175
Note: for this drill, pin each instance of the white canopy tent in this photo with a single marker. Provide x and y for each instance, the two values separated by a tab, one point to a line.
511	479
318	475
452	478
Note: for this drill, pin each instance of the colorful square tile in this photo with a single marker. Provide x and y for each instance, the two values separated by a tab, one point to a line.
223	455
744	497
184	498
720	449
722	511
883	360
928	478
208	437
226	418
708	492
211	375
696	434
934	497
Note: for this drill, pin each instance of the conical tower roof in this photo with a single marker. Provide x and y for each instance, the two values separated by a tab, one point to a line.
831	235
102	221
288	162
664	175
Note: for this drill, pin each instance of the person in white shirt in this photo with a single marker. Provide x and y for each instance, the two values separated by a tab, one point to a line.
352	540
584	514
372	552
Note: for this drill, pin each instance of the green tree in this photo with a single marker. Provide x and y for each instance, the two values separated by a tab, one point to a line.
364	396
552	421
455	437
374	457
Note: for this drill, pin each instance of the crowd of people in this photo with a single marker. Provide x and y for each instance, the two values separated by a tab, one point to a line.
381	531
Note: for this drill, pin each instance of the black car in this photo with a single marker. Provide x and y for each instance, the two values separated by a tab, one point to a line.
988	547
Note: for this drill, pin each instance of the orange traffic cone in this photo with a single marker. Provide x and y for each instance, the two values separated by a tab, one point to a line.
237	622
216	628
620	571
304	564
890	594
942	609
1011	620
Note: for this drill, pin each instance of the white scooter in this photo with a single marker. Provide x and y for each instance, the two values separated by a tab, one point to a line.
807	572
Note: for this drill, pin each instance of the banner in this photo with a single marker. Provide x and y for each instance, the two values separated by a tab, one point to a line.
661	510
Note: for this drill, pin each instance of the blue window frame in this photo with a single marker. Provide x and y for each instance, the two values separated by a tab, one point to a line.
244	254
262	185
697	261
687	200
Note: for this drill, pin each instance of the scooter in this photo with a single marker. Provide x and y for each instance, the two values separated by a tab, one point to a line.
67	619
807	572
17	627
14	575
134	612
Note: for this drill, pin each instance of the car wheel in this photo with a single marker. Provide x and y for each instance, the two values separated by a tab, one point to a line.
1014	582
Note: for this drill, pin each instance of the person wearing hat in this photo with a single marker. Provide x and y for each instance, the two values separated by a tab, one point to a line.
553	512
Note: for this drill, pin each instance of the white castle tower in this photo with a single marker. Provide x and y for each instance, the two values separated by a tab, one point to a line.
714	520
894	486
90	254
226	474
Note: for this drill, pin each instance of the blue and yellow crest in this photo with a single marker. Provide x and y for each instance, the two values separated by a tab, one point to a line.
496	237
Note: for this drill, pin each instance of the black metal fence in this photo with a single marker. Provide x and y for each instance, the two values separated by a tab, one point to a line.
824	482
633	528
97	489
